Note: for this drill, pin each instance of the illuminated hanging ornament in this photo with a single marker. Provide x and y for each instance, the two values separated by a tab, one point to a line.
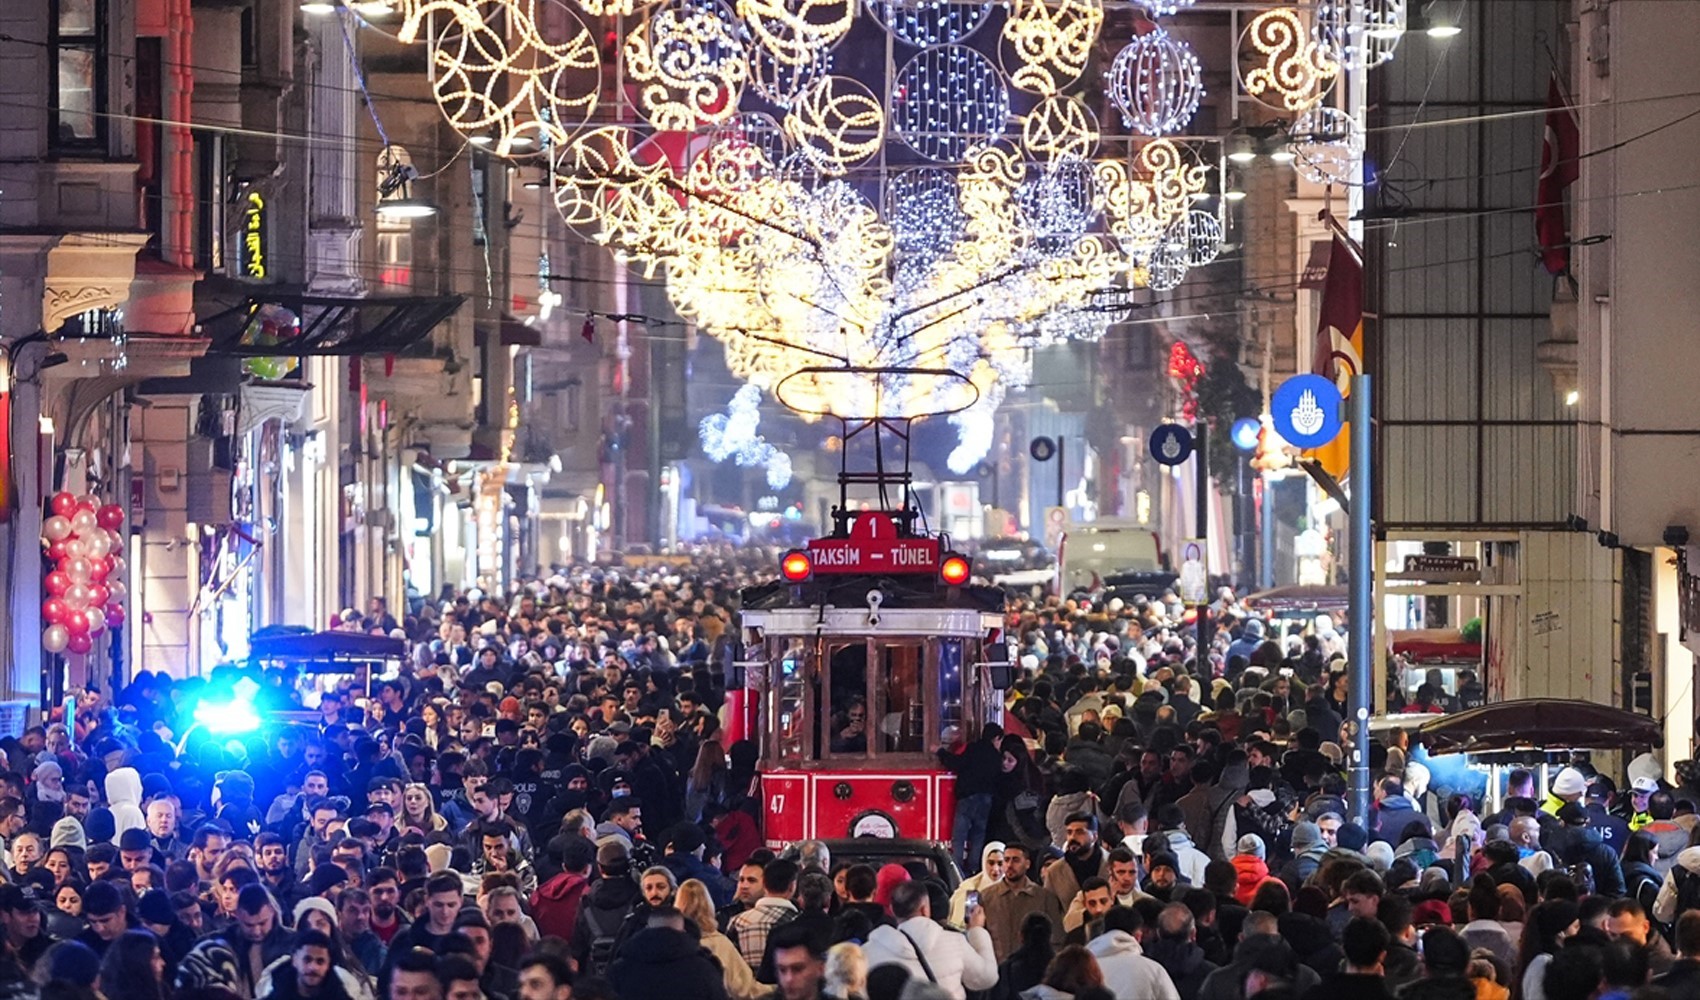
836	123
924	23
1360	34
1203	238
779	82
499	80
689	64
1327	144
925	218
732	435
1058	126
795	32
1157	83
947	98
1281	65
1051	41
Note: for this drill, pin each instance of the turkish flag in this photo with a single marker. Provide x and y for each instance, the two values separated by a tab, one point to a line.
1560	153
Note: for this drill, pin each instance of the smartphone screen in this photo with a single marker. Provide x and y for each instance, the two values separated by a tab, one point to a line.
973	900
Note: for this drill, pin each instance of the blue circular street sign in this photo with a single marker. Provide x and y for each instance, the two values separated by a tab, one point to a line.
1171	444
1245	433
1306	411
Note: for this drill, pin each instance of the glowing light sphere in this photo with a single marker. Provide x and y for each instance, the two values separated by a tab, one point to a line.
1167	268
1157	82
923	23
947	98
1360	34
689	64
1327	144
1203	238
1281	65
836	123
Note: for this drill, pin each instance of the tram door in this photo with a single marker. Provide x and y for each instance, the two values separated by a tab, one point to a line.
873	698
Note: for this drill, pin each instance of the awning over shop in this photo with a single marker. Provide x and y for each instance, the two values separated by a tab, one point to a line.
299	325
509	331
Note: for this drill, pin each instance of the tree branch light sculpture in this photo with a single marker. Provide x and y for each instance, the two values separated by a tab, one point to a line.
811	206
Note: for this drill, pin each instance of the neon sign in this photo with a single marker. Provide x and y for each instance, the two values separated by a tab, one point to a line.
254	237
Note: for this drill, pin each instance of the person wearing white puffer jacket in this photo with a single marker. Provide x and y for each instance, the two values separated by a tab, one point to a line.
954	961
1127	972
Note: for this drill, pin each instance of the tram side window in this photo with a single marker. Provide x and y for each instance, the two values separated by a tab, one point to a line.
791	729
950	692
847	723
902	724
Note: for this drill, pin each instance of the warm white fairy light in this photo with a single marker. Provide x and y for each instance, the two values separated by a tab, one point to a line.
1060	125
689	64
1157	82
1052	41
836	123
795	32
1281	65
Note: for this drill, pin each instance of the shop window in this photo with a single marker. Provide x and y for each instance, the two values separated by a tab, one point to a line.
77	44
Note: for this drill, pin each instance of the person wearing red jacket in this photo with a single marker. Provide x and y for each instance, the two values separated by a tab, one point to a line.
555	903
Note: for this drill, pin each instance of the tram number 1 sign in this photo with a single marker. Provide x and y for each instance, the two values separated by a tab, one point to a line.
874	546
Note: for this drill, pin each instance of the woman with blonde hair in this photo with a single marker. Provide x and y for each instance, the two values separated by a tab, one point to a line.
697	906
846	972
419	811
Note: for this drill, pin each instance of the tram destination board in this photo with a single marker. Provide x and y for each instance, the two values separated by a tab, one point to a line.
874	546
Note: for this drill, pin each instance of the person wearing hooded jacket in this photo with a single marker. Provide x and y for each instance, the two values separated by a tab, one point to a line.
1127	971
606	905
1687	867
1394	812
555	904
1308	849
954	961
124	801
1251	869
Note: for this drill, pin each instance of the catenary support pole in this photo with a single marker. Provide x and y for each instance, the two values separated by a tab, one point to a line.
1360	609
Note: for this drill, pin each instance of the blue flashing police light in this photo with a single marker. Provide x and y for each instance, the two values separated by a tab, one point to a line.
234	717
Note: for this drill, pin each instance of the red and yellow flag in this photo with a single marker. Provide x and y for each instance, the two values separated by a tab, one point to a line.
1340	342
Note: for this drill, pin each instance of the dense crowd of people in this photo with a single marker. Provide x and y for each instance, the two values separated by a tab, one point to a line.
540	803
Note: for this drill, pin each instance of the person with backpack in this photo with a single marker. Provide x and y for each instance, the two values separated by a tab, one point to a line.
604	910
1680	892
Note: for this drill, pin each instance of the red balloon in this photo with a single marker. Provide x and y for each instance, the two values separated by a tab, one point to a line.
80	643
76	624
114	615
63	504
110	517
56	550
54	610
57	583
100	568
98	595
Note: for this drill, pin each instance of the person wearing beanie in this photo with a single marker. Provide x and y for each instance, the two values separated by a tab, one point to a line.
1308	849
155	913
1569	786
73	962
315	913
1251	868
1351	837
67	832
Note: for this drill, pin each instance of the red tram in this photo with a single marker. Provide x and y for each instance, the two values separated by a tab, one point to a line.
871	650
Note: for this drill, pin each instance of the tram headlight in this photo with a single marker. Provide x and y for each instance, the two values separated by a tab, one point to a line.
955	569
796	567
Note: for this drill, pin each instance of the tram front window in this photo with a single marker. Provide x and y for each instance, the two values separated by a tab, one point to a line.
847	725
903	722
